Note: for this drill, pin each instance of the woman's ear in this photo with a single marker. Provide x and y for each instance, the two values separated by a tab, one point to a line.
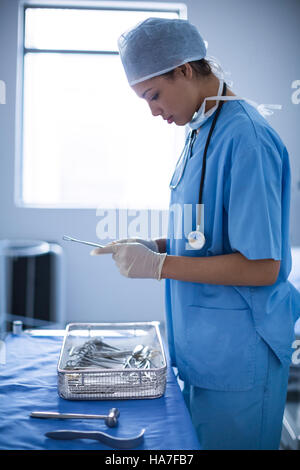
184	70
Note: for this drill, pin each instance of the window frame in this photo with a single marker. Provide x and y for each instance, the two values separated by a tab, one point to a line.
179	8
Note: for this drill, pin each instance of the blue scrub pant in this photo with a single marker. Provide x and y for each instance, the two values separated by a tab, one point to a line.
249	419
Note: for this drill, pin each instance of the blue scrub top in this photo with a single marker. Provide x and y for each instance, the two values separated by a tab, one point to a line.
212	329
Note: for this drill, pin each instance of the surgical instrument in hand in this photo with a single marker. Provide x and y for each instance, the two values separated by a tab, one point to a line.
71	239
112	441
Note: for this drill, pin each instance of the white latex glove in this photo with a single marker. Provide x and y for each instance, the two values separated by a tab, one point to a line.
151	244
134	259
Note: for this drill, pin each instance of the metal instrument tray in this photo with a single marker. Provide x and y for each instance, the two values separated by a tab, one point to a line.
117	382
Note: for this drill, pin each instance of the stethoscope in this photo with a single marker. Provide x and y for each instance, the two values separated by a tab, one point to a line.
196	238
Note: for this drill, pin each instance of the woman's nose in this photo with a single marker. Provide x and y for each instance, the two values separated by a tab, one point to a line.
155	110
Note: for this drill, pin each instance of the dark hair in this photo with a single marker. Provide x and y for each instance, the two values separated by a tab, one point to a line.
201	67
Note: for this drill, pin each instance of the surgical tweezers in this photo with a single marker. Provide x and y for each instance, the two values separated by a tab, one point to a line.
71	239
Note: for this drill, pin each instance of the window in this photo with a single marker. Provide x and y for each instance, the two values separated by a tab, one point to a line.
88	141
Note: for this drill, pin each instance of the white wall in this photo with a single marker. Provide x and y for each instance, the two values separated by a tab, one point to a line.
258	42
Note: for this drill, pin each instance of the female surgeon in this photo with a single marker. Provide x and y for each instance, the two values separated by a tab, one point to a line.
229	307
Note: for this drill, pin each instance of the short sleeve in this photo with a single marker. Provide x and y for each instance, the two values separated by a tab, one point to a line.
252	200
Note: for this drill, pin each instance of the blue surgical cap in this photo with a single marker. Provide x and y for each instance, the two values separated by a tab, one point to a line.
158	45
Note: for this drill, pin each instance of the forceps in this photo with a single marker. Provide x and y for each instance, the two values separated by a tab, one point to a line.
71	239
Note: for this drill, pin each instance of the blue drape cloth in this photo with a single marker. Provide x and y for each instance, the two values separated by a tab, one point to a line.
28	382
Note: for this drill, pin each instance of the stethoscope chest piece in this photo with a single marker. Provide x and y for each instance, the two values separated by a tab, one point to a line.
196	239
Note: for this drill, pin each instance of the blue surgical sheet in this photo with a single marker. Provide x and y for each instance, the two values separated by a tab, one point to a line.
28	382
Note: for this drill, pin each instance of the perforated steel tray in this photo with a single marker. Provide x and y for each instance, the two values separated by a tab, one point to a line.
96	383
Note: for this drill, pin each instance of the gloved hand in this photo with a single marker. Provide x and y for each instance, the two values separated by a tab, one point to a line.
134	260
151	244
